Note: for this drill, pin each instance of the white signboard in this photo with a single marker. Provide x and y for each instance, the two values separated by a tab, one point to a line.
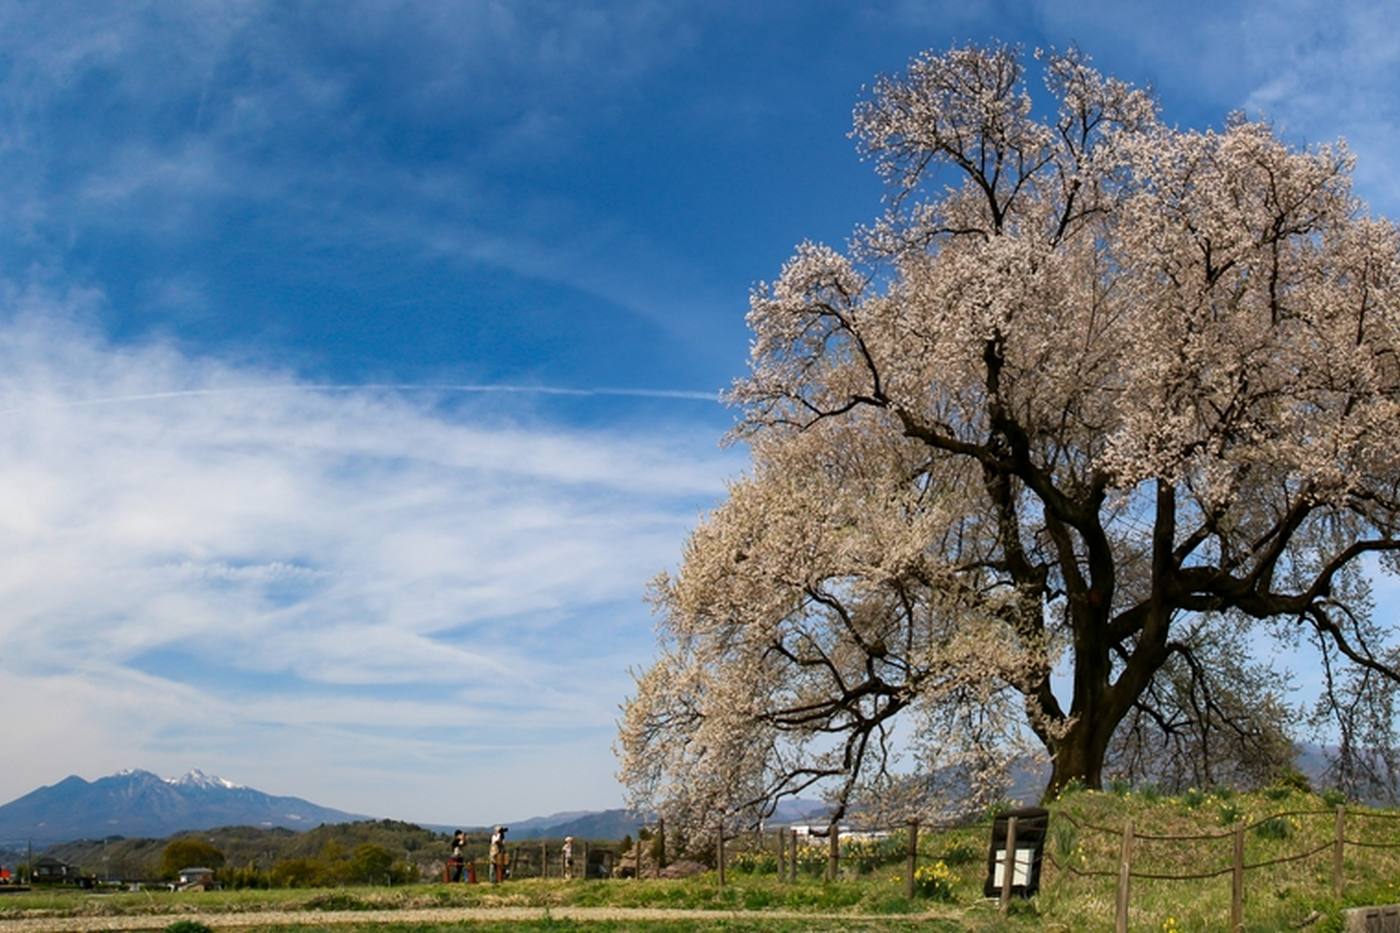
1022	876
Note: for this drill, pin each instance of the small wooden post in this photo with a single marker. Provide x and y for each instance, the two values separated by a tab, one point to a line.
1125	867
782	864
913	859
792	863
1008	865
719	855
1338	843
1237	882
833	858
585	860
660	845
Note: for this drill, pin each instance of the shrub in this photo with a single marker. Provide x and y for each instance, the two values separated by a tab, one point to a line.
1293	779
1072	786
1334	797
338	900
1064	839
866	854
812	859
246	876
296	873
1273	828
186	852
934	881
997	808
754	863
1193	798
961	853
188	926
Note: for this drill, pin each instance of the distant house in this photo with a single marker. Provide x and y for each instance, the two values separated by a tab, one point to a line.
51	870
808	833
195	879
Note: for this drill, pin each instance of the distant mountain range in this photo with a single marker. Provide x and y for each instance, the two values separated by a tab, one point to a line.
614	824
139	803
585	824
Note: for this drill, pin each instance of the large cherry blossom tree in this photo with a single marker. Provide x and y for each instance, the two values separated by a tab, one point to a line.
1098	411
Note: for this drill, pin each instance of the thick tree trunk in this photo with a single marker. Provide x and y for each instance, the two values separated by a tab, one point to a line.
1079	756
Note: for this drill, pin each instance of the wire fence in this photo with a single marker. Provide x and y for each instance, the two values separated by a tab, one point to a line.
836	851
1237	868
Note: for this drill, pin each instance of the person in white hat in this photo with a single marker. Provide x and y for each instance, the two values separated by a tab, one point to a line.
498	854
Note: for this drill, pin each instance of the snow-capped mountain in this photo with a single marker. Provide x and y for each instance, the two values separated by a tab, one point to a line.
197	778
139	803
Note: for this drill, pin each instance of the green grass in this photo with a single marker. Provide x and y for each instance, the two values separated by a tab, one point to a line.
1277	897
660	926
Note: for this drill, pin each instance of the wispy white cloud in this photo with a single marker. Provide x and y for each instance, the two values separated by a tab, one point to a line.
1329	70
229	108
256	568
1317	69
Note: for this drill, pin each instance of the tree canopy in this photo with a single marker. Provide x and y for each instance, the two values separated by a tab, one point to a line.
188	852
1094	415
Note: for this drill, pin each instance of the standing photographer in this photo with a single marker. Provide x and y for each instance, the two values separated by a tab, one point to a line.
498	854
455	863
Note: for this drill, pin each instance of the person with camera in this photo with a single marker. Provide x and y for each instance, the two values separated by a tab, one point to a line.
458	859
498	854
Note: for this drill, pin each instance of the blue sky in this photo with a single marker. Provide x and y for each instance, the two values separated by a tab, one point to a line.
281	287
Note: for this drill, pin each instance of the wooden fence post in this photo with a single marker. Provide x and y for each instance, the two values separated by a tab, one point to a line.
833	858
660	845
1337	845
793	862
1237	882
782	864
585	860
913	859
1125	867
1008	865
719	855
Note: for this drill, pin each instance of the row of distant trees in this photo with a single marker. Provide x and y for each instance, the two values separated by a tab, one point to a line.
366	863
366	852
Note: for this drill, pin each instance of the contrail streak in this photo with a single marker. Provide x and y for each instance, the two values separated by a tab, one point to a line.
676	394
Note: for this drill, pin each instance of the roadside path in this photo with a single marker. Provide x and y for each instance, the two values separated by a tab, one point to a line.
317	918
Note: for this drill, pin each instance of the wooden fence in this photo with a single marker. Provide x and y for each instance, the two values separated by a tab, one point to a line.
1238	867
789	859
545	859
